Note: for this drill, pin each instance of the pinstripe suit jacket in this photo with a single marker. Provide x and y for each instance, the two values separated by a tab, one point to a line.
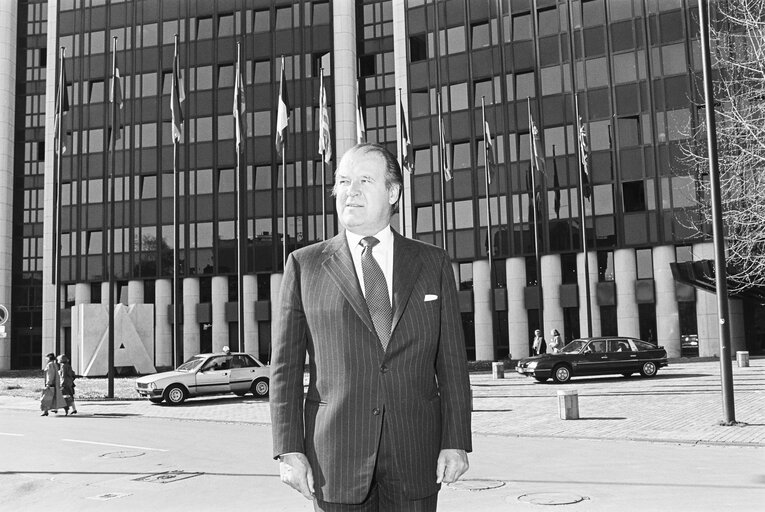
419	386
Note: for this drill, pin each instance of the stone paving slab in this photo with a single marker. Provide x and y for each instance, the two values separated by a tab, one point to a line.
682	404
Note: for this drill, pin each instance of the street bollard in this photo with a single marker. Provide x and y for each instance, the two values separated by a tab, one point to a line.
742	358
568	404
498	370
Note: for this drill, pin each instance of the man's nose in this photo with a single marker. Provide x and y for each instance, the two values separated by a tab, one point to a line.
354	188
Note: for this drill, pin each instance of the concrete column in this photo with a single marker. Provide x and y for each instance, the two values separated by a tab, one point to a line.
482	324
276	285
250	295
344	36
401	65
81	293
135	292
191	335
163	326
592	260
517	317
706	309
105	293
625	267
667	317
552	278
8	20
219	324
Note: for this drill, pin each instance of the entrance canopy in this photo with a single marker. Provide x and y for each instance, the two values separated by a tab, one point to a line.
701	274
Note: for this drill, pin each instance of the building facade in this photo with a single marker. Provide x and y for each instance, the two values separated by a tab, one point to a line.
634	72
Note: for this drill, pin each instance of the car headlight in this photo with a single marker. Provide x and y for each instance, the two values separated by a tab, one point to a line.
152	385
532	365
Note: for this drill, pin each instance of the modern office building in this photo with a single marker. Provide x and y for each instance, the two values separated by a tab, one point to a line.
112	212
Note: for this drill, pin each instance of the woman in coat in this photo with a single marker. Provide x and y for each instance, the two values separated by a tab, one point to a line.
556	343
51	397
67	383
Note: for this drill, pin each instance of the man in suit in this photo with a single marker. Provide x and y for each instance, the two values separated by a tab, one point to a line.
386	418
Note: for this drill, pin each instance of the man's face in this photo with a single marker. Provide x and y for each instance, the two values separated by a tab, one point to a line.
362	200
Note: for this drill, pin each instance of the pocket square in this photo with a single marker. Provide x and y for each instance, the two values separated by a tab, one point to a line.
429	297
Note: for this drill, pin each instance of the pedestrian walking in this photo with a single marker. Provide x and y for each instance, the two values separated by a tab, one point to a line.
539	345
51	397
67	383
556	342
386	418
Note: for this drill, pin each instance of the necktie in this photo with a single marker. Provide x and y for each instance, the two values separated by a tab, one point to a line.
376	289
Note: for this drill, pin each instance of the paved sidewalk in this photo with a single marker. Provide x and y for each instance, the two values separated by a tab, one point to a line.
682	404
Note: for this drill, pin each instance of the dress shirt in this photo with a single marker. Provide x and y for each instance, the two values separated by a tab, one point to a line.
382	252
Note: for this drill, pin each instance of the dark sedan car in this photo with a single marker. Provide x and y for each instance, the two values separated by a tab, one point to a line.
596	356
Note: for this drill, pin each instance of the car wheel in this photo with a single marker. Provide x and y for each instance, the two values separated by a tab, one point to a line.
541	379
627	374
648	369
175	395
155	400
561	374
260	387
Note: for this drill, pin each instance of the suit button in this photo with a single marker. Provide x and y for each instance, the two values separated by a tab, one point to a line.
383	369
376	411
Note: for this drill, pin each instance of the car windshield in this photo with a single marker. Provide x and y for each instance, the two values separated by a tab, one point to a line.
574	347
191	364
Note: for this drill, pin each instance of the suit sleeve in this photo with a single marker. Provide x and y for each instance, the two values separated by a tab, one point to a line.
287	365
451	368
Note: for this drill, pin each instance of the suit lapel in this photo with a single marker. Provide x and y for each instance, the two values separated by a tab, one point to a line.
339	266
406	268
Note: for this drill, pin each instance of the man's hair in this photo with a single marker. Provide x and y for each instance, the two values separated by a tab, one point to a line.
393	174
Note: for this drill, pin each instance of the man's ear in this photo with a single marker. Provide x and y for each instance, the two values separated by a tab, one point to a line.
394	192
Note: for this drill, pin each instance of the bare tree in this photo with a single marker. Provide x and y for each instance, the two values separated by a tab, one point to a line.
737	42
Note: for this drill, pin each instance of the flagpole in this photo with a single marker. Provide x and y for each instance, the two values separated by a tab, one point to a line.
177	346
240	228
442	178
534	163
110	215
580	181
57	188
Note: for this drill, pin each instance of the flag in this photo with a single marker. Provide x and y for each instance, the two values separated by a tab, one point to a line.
584	159
283	113
446	151
62	108
239	108
556	186
490	160
177	96
115	97
361	131
406	143
325	141
537	155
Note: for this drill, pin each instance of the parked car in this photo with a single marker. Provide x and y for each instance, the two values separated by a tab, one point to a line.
596	356
689	346
207	374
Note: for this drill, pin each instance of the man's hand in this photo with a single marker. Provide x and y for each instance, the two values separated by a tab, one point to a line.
452	464
296	472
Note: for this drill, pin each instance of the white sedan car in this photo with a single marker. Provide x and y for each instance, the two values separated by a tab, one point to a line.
207	374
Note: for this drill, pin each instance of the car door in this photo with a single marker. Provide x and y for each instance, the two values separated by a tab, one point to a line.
213	376
595	358
244	370
623	358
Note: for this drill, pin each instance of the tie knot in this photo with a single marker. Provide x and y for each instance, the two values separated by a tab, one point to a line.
369	242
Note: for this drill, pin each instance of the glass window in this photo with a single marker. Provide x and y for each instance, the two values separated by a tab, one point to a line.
149	34
458	96
603	199
593	13
456	36
480	36
226	180
625	68
644	263
521	27
673	59
633	196
524	86
629	131
148	84
204	28
549	22
683	192
418	49
261	124
225	25
261	72
678	124
261	21
204	77
551	80
596	72
463	214
484	90
605	266
461	155
619	9
283	18
320	13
